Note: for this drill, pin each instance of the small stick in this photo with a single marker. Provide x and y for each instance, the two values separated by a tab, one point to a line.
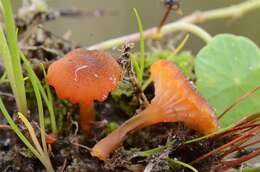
250	144
63	165
6	94
239	129
239	100
171	5
229	164
248	134
81	146
3	126
235	147
166	14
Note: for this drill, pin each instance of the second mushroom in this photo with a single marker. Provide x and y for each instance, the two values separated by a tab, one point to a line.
175	101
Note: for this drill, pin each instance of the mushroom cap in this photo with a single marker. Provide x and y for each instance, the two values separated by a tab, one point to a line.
83	76
179	99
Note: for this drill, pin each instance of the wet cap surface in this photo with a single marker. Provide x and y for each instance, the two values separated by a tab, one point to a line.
83	76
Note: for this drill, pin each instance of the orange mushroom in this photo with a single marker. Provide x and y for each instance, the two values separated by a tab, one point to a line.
83	76
175	100
51	138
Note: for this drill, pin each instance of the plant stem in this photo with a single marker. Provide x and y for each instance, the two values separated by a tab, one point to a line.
233	11
187	27
197	17
140	28
49	101
166	29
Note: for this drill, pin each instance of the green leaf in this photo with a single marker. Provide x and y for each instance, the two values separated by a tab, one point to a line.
227	68
10	54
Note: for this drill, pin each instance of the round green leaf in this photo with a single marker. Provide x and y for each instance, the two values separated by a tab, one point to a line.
227	68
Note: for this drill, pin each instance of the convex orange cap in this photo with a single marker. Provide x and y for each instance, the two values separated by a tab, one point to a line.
83	76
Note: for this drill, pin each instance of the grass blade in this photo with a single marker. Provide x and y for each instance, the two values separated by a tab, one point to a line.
46	97
33	78
13	64
140	28
175	161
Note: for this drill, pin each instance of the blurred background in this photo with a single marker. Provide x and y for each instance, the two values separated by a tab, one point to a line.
119	19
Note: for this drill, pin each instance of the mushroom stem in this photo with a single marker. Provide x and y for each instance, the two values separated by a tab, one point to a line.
86	117
151	115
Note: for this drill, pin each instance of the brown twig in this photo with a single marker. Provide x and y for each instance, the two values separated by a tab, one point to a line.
63	166
238	147
239	100
166	14
237	129
81	146
235	147
3	126
254	118
219	149
170	6
232	163
249	144
246	123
